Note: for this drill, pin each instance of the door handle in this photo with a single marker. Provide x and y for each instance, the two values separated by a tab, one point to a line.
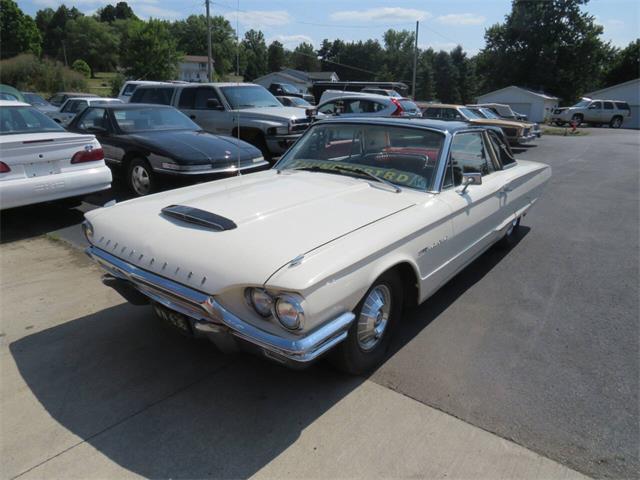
192	117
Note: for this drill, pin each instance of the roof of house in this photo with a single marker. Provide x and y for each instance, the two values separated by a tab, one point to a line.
307	76
602	90
525	90
195	58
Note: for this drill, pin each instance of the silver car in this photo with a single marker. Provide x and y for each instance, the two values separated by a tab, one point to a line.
369	105
594	112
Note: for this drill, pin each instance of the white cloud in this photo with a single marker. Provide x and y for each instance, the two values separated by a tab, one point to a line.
388	14
259	18
291	41
461	19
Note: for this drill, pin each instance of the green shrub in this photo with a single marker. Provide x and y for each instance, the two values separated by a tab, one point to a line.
116	84
81	67
27	72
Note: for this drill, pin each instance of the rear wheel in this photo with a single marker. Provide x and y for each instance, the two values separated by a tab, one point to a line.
578	119
377	315
509	239
140	177
616	122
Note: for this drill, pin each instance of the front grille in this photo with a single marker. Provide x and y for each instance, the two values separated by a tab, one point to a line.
299	125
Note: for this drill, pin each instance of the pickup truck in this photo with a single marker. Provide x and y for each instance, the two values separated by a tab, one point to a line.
243	110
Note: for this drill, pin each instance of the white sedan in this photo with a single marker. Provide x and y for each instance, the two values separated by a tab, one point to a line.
74	105
360	218
41	162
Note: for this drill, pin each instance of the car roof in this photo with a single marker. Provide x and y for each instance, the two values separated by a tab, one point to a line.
441	125
441	105
76	94
13	103
130	106
96	98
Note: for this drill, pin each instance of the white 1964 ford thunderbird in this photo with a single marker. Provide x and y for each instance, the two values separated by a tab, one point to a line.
319	255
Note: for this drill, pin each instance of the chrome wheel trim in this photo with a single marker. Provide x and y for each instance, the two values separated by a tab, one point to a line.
374	317
617	122
512	227
140	180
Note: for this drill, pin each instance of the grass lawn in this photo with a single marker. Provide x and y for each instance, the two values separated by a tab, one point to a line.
101	85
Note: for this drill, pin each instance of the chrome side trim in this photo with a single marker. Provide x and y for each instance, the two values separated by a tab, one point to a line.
213	170
211	317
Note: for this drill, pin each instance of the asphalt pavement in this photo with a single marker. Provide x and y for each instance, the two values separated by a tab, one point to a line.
539	345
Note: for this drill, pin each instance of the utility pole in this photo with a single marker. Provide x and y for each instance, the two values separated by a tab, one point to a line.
209	60
415	63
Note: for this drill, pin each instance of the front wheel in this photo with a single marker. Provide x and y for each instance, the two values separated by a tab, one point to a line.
377	315
140	177
577	119
559	123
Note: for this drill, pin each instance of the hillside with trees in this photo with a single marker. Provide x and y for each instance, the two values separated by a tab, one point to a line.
552	46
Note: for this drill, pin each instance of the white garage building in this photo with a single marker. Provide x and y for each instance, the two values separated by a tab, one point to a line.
625	92
537	106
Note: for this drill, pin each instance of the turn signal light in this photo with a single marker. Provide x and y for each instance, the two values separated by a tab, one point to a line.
4	168
92	155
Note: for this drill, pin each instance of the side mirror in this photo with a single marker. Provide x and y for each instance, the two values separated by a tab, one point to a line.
214	104
470	178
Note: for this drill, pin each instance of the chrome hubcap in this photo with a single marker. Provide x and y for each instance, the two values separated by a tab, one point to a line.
374	317
140	180
512	227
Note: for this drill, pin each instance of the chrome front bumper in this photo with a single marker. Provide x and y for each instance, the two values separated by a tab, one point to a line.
209	318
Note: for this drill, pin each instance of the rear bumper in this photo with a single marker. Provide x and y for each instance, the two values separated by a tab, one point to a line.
27	191
210	319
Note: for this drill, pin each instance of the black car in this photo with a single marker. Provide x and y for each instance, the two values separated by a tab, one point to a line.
152	143
286	89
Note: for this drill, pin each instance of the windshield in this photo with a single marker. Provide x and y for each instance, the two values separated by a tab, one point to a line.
488	113
249	97
34	99
300	102
25	120
468	113
147	119
582	103
404	156
289	88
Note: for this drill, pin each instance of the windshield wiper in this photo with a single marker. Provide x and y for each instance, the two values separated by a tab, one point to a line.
372	176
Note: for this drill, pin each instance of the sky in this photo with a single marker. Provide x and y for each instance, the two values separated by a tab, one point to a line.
443	23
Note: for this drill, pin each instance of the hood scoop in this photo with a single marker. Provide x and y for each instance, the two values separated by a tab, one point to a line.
199	217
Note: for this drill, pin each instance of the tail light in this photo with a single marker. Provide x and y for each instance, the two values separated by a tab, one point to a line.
4	168
399	110
92	155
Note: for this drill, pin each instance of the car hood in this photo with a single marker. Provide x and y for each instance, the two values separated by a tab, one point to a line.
273	113
496	122
189	146
278	218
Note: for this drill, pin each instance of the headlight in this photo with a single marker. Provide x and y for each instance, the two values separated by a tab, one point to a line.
87	229
289	312
260	300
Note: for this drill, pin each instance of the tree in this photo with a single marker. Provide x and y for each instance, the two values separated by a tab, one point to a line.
191	36
94	42
121	11
54	33
625	65
18	32
305	58
425	87
149	51
445	78
276	56
465	74
82	67
255	50
399	46
544	45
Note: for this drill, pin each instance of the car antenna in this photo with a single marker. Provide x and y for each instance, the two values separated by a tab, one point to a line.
237	75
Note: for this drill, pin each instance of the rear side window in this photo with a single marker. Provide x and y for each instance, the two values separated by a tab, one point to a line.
187	98
202	95
502	150
433	113
157	95
129	89
595	105
623	105
94	117
409	106
608	105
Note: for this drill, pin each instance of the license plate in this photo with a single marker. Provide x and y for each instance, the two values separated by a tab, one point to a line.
40	169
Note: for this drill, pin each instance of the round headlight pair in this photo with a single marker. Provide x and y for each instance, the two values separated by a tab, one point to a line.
87	229
285	308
